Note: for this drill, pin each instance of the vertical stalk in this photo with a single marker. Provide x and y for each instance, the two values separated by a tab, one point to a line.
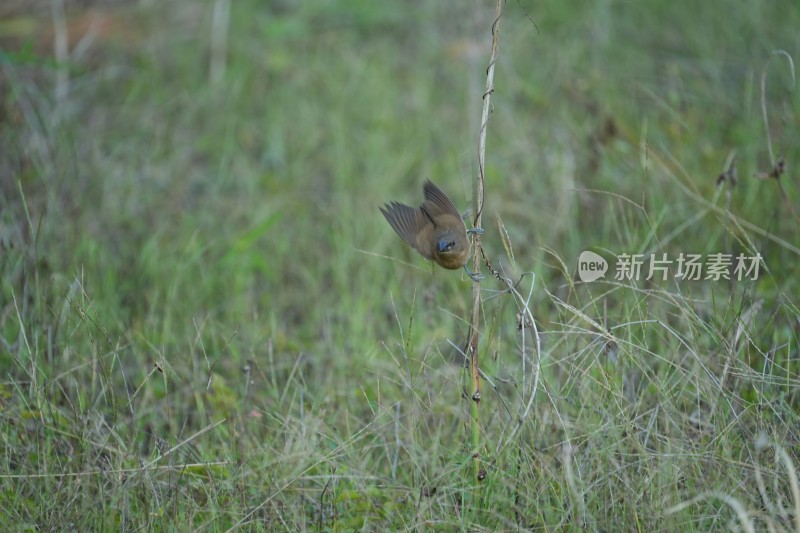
219	40
474	332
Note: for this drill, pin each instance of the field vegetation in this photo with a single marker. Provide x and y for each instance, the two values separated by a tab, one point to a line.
206	324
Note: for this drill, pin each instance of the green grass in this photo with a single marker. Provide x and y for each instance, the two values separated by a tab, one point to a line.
205	322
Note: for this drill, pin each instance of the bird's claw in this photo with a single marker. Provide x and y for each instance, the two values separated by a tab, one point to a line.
476	276
476	231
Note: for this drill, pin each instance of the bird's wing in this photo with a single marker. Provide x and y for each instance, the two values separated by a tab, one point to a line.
437	202
409	223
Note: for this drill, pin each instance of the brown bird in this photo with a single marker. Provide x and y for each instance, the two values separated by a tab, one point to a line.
435	229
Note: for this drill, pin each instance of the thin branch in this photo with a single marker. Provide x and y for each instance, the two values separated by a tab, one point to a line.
764	98
60	49
206	429
101	471
474	332
219	40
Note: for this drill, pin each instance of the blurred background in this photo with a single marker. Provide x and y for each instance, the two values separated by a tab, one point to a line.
194	269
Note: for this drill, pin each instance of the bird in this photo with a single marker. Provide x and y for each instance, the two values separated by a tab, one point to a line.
435	229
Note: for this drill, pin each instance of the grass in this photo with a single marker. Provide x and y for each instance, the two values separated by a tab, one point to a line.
205	323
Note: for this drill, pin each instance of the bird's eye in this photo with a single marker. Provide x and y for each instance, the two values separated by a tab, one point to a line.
445	245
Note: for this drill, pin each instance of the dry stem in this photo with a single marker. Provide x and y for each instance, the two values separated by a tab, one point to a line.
474	332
